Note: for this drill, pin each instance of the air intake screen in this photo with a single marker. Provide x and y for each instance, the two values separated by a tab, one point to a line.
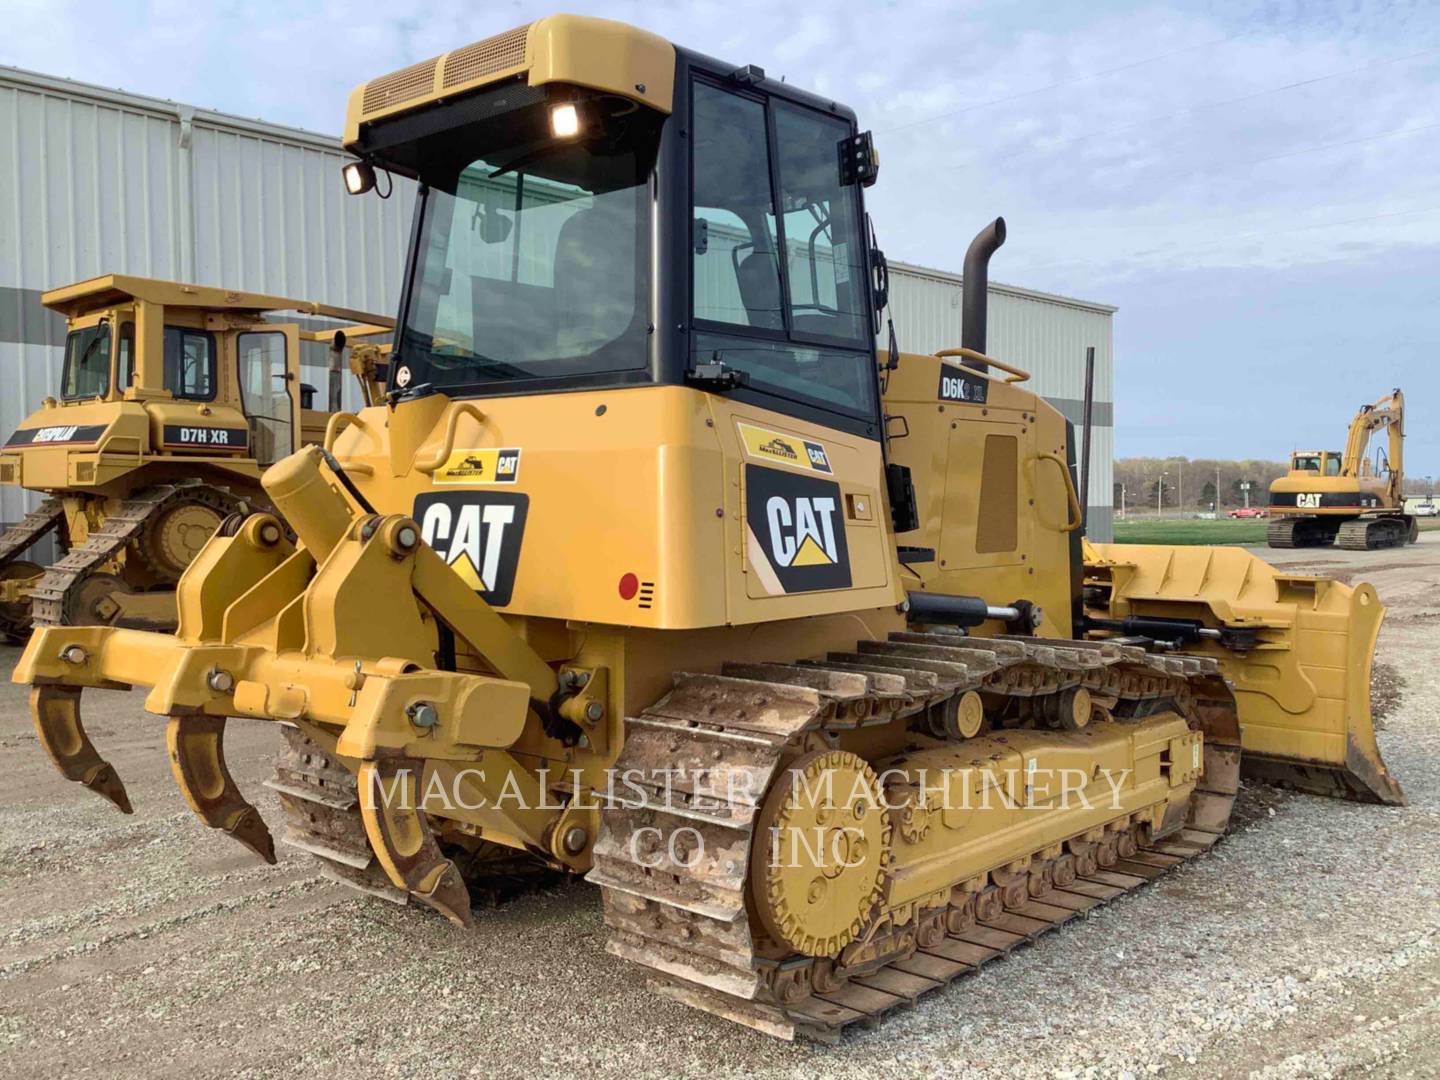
489	57
415	81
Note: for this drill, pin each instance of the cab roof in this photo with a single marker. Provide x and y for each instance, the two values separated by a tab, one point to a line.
111	289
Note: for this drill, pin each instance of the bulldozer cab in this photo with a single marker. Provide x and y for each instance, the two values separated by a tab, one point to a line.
210	372
573	238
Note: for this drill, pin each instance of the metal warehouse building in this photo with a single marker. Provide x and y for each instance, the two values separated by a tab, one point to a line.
95	181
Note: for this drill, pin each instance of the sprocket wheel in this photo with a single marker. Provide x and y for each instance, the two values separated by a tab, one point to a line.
178	533
820	853
89	602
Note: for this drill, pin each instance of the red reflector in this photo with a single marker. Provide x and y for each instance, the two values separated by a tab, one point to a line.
629	586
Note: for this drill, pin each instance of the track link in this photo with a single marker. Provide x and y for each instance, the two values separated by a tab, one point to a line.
1369	534
51	596
30	529
321	803
689	925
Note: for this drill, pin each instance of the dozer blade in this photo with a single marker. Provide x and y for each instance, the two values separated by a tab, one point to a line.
56	712
197	758
402	841
1298	652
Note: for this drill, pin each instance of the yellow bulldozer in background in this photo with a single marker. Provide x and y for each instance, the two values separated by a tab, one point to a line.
648	568
1346	499
173	400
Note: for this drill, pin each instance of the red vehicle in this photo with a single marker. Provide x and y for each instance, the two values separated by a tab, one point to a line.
1249	512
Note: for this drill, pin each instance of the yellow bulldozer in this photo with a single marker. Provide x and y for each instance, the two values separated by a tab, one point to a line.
649	568
173	400
1348	499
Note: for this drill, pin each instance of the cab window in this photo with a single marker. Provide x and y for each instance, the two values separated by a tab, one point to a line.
87	363
1307	463
779	290
190	363
1332	465
125	357
265	394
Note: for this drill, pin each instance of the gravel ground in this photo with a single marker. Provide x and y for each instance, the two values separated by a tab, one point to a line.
1307	944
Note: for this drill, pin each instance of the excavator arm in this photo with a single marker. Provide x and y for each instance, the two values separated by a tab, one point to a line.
1389	414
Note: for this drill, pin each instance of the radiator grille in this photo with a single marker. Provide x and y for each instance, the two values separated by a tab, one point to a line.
488	57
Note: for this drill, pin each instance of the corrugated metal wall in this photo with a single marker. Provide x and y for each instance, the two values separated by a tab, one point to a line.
1046	335
94	181
97	181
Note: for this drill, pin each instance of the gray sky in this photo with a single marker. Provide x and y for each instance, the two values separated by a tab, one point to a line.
1253	183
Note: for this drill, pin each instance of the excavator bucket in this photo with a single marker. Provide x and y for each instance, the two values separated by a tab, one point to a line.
1296	650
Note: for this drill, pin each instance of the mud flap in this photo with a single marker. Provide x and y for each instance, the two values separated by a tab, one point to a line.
1297	654
56	712
197	758
401	838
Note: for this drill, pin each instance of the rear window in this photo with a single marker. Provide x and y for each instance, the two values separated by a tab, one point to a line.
190	363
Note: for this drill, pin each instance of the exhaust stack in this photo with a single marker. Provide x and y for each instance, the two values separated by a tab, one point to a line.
975	285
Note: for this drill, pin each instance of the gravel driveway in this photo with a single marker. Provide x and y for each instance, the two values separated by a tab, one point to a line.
1306	944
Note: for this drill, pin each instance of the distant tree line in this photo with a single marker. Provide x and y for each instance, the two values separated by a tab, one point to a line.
1190	484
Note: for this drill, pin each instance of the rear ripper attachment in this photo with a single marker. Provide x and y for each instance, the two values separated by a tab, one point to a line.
272	631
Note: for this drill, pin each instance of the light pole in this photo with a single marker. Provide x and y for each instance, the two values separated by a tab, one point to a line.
1160	496
1122	500
1180	491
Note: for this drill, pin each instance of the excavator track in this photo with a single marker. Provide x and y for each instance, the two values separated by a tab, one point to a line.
1300	532
690	926
53	597
1368	534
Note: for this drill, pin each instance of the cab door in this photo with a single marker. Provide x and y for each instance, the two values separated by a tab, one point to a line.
269	367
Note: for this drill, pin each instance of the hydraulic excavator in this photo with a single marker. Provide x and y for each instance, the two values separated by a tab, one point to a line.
1348	499
173	400
649	568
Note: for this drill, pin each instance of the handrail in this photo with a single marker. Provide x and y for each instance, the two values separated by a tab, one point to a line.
334	425
1017	374
448	444
1071	495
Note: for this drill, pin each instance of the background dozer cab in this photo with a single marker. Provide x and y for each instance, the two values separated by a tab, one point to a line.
173	399
1347	499
646	569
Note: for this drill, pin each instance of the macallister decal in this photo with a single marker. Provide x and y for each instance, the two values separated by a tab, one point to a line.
478	533
56	435
480	467
781	449
191	437
795	531
957	385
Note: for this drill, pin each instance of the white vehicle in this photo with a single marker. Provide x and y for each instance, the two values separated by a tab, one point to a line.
1425	509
